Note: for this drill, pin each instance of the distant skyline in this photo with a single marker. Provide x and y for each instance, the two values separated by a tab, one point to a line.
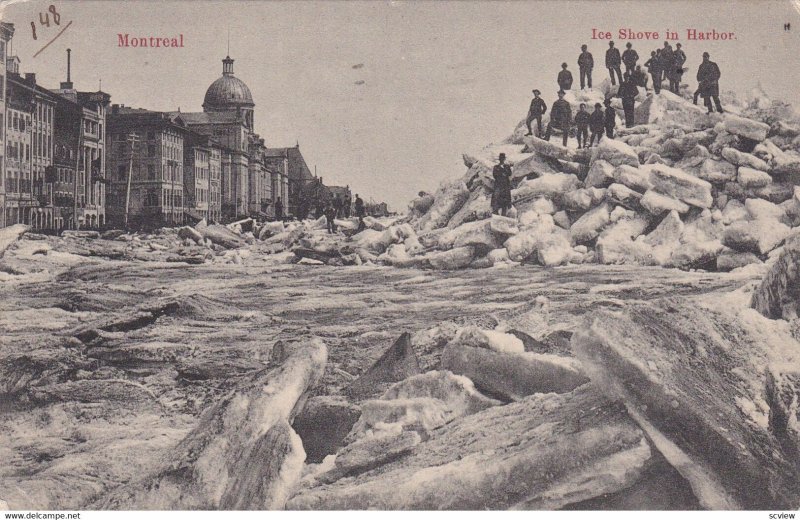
385	96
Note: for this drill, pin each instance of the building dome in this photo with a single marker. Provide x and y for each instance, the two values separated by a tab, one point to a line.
228	91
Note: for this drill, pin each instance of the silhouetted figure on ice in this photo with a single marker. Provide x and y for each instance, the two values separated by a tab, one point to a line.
629	58
560	118
667	58
708	75
597	123
536	111
640	78
678	59
582	124
613	60
585	66
501	196
654	68
564	78
611	119
628	93
330	214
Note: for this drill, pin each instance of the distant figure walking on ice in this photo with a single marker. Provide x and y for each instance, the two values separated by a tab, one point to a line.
501	197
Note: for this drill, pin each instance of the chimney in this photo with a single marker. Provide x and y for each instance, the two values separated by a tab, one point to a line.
30	77
67	85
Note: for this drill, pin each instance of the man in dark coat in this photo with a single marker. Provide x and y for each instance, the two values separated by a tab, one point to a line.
628	93
613	60
667	58
708	75
611	119
564	78
585	66
597	123
278	208
654	68
359	207
640	78
629	58
582	124
348	203
501	197
560	118
330	214
536	111
678	59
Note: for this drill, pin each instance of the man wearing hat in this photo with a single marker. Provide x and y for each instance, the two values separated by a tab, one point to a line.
537	110
564	79
611	119
560	118
708	75
585	65
613	60
501	196
629	58
678	59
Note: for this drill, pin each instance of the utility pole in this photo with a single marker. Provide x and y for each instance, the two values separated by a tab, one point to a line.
77	167
132	139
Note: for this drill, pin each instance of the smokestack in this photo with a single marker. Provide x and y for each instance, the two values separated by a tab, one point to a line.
67	85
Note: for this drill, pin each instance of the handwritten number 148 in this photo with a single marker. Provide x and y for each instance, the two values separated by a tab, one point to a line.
44	19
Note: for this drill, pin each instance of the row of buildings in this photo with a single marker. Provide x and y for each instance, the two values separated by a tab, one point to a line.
71	159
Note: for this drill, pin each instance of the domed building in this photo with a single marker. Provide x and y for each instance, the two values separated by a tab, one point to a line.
255	179
229	93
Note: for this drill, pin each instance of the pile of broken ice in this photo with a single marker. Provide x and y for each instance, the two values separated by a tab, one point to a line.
681	188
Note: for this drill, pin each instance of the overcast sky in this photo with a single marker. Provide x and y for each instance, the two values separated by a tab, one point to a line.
437	78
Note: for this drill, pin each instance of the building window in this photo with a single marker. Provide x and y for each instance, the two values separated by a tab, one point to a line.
151	150
121	171
151	172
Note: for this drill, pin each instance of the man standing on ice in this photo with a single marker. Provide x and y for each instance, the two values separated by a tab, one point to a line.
564	78
611	119
596	123
501	197
654	68
628	93
708	75
536	111
678	59
629	58
330	214
585	66
667	58
560	118
613	60
582	123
